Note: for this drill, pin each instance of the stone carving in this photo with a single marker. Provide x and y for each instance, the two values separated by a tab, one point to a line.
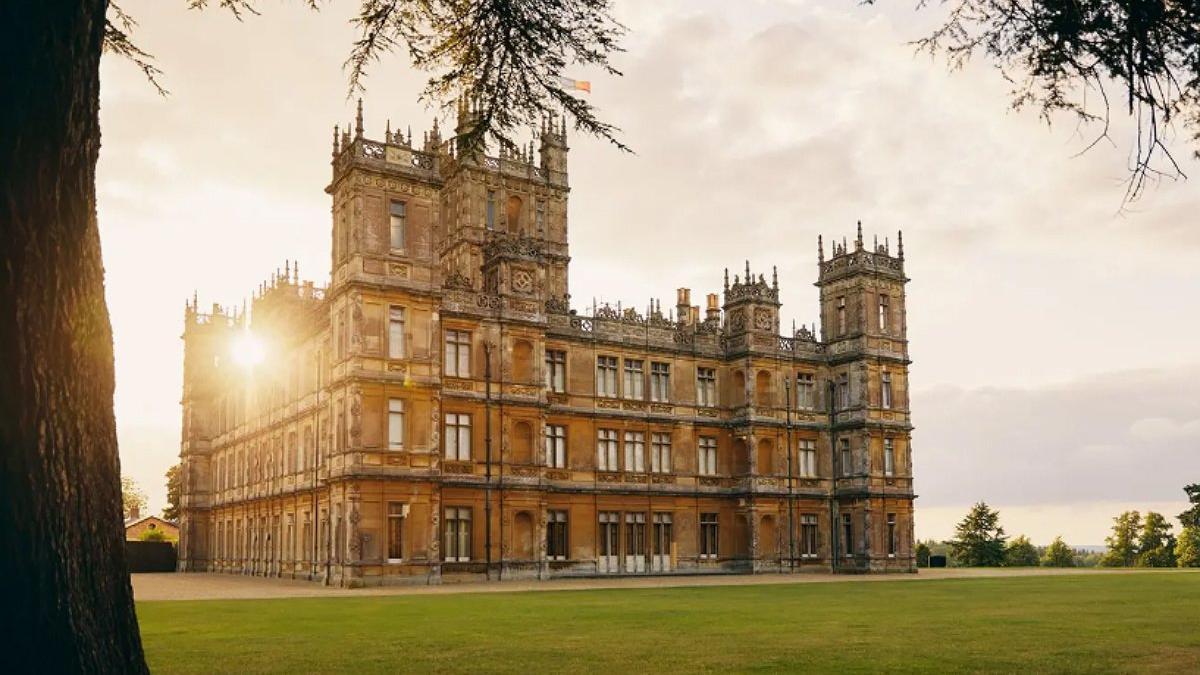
457	280
762	319
522	281
556	305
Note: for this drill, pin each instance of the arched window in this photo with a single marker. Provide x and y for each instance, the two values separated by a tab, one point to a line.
739	388
513	214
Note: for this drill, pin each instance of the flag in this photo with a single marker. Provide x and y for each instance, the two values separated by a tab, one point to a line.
580	85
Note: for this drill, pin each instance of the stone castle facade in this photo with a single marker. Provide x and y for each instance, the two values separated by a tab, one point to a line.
439	412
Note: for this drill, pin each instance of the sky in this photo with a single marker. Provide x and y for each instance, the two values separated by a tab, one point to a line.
1056	370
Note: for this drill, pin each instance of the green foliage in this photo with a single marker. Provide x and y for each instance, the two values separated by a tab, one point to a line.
174	491
1187	549
1020	552
1156	545
923	554
979	539
1123	542
132	496
1191	517
153	535
1058	554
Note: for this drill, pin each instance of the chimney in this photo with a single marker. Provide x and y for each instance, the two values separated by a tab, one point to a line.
683	304
134	512
714	307
695	315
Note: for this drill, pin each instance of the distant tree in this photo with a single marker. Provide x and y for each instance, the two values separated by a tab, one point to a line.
1085	58
132	496
922	554
1123	542
1058	554
1187	548
1020	552
174	491
1086	558
979	539
1191	517
152	535
1156	544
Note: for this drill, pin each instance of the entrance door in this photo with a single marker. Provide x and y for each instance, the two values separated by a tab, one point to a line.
635	542
610	542
661	561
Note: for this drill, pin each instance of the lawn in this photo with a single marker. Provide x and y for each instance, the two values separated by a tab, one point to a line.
1096	622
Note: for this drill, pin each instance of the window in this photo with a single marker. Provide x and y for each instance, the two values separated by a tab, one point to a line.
846	462
398	215
660	381
606	450
843	391
556	446
708	456
808	536
606	376
556	535
458	437
841	315
458	353
706	387
634	379
635	451
806	392
491	209
708	535
891	535
883	313
808	458
660	453
458	534
395	424
395	344
540	216
889	457
847	536
885	390
662	540
556	370
395	531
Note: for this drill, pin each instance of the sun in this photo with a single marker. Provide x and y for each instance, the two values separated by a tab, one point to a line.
248	351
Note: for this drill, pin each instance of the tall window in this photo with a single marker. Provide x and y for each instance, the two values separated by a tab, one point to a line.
458	534
885	389
883	313
606	376
808	536
395	424
663	537
660	381
398	216
634	379
841	315
808	458
458	353
708	455
889	457
395	531
556	535
847	535
540	216
706	387
635	451
395	333
891	535
708	535
846	462
806	392
660	452
491	209
458	437
843	391
556	446
606	449
556	370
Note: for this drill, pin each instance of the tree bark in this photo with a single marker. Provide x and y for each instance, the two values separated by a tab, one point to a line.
64	587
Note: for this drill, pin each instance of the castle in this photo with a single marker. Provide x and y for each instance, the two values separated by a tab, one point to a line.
440	412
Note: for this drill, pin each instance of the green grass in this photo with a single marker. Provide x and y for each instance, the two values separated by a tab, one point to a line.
1097	622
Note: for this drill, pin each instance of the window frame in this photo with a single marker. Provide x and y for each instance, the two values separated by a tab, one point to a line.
557	534
633	379
660	381
606	376
459	426
403	224
397	342
554	446
635	451
706	386
395	409
710	536
607	450
457	361
556	370
395	518
660	452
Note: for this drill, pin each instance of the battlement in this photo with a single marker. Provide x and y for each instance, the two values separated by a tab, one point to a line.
748	288
436	157
859	259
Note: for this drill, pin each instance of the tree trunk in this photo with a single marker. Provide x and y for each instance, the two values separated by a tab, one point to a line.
64	588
